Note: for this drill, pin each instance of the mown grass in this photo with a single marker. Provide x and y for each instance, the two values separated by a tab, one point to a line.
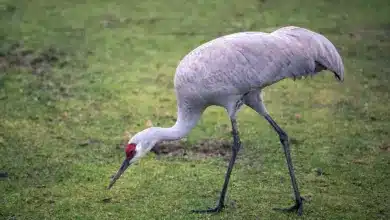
114	72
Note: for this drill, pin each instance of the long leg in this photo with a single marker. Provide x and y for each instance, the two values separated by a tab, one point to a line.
254	101
284	140
236	147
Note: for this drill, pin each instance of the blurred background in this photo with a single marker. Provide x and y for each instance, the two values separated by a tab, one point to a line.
78	77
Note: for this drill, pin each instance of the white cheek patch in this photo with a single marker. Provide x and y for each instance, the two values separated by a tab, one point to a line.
138	147
141	149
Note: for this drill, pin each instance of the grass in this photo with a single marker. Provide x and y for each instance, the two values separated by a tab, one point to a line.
112	71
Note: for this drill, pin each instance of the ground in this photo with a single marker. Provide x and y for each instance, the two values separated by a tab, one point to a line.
77	78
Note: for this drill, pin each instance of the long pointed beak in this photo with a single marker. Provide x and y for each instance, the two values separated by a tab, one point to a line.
126	163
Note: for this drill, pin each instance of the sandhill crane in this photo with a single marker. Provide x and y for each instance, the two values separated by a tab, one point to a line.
230	71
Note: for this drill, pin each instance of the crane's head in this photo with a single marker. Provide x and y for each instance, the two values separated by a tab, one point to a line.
137	147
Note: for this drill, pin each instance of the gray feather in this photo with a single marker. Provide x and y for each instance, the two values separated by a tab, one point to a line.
235	67
238	63
318	47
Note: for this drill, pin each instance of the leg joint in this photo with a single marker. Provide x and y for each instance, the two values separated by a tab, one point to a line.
283	136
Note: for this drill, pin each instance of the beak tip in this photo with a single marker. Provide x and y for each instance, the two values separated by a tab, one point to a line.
110	185
116	176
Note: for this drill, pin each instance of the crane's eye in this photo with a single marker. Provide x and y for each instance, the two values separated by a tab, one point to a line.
130	150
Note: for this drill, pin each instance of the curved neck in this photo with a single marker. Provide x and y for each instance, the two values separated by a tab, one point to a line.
185	122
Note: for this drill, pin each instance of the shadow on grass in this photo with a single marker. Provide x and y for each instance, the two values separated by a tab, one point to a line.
201	149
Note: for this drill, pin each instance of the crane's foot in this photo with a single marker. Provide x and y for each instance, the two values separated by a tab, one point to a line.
211	210
298	207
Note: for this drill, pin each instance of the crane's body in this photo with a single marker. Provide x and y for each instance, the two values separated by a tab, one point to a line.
238	63
230	71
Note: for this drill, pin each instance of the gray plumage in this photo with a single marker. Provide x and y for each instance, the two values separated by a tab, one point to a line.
230	71
222	70
242	62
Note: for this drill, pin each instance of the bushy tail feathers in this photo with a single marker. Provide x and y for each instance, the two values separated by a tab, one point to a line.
329	57
323	52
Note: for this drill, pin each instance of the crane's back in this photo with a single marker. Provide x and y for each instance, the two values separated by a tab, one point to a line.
238	63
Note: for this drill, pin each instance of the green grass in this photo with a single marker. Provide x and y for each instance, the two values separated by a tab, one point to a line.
120	61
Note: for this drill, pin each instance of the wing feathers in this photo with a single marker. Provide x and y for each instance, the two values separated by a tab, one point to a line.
317	49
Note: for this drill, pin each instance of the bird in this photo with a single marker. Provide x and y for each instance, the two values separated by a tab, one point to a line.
231	71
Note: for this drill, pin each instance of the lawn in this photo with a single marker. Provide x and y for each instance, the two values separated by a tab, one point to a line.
76	79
